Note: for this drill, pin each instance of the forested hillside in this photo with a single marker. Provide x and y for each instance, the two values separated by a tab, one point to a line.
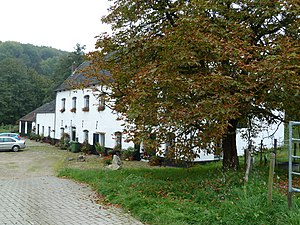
29	75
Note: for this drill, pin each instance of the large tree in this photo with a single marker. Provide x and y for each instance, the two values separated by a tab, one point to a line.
197	69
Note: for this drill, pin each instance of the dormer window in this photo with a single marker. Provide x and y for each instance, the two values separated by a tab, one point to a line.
63	105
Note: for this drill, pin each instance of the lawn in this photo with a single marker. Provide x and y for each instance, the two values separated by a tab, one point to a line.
203	194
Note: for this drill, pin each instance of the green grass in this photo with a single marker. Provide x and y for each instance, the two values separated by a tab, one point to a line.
198	195
8	128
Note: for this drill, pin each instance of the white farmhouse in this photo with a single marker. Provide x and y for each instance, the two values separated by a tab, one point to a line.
81	112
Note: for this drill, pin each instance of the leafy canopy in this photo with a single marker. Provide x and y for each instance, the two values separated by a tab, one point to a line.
196	68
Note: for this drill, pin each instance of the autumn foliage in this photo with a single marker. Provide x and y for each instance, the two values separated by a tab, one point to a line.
197	69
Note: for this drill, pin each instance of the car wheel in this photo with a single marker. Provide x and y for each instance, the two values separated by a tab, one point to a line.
15	148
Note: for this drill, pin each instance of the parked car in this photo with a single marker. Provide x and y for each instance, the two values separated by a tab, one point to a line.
11	143
14	135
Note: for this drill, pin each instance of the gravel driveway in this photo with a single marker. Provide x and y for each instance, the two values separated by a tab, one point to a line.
38	159
31	194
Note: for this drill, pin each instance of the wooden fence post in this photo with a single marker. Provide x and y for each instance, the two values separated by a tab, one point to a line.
261	151
248	165
290	200
275	150
271	175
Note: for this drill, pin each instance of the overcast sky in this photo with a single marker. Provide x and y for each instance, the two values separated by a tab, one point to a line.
59	24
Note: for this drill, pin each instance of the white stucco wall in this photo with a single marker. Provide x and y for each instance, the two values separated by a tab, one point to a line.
204	156
93	121
106	122
45	120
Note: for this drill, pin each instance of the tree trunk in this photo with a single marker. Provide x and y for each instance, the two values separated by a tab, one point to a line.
230	158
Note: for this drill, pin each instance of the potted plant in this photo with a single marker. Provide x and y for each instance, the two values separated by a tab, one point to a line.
101	108
100	149
85	109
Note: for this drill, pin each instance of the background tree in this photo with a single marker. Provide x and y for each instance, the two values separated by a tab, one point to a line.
29	75
198	68
21	90
63	66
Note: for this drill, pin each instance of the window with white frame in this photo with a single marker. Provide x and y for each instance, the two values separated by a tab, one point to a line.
63	105
73	109
85	135
102	139
86	103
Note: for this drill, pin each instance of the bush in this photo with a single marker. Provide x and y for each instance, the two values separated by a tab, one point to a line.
9	128
33	136
64	142
155	161
86	148
128	153
107	161
38	137
100	149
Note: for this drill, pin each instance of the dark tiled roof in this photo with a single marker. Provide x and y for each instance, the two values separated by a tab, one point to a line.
46	108
29	117
78	78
